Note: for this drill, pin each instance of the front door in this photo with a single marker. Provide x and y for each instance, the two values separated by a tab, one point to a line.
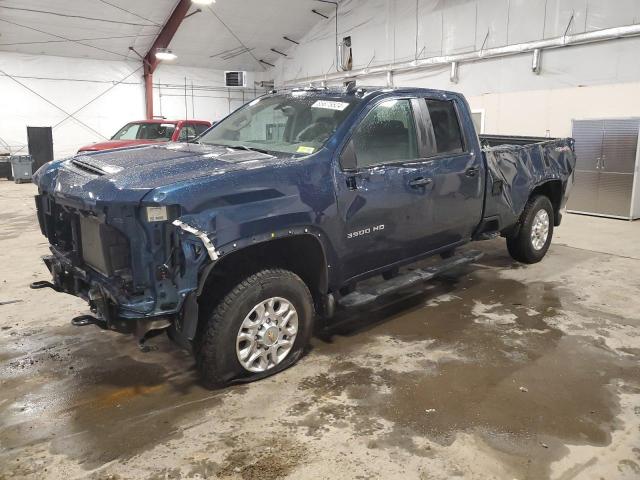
384	195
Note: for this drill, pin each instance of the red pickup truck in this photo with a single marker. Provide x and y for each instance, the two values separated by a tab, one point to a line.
151	131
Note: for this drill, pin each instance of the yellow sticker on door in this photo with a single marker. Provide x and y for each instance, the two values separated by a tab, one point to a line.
307	150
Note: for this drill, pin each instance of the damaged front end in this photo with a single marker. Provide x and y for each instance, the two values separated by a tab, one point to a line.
136	265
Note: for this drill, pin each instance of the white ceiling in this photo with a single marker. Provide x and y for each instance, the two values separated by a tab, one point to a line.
105	29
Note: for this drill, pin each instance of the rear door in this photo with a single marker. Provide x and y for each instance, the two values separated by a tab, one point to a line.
384	184
456	167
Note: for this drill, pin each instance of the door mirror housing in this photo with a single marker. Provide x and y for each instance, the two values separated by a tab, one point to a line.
348	160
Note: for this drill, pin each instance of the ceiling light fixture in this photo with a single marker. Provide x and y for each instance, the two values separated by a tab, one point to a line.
203	2
165	54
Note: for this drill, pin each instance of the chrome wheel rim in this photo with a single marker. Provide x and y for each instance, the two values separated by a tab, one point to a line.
540	230
267	334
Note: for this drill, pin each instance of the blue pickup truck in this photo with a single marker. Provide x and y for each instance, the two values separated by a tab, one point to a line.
236	243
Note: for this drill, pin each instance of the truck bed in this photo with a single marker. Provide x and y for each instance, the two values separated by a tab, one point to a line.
516	170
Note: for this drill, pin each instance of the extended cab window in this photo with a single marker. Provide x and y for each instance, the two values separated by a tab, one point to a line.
446	127
386	135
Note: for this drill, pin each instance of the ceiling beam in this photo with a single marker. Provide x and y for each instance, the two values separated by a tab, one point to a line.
150	62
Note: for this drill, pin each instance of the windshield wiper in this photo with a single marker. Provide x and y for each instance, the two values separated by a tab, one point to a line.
251	149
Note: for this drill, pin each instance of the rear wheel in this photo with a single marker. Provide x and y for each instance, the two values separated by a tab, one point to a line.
532	241
259	328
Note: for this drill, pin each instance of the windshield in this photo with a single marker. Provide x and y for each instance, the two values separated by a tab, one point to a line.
282	123
161	132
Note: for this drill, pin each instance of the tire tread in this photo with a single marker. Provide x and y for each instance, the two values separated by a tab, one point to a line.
205	348
519	245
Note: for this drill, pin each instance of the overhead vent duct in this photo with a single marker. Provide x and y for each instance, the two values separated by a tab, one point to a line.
345	55
536	62
235	79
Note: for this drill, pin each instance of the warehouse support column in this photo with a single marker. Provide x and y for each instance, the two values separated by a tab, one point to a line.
148	92
162	41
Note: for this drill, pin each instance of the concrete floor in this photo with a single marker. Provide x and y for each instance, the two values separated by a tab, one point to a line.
497	371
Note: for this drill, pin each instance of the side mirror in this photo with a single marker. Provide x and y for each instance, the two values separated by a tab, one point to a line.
348	160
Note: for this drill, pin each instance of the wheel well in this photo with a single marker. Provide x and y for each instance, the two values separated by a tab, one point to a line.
553	191
301	254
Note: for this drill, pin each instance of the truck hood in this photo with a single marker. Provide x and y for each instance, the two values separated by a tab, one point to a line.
110	144
126	175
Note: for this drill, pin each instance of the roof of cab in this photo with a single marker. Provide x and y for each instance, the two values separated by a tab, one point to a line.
175	122
361	91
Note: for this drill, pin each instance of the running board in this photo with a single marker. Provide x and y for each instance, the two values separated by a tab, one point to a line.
370	294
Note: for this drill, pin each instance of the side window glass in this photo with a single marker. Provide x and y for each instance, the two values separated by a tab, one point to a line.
200	128
387	134
446	127
187	133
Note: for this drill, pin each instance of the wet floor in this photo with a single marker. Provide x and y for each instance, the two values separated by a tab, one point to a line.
493	371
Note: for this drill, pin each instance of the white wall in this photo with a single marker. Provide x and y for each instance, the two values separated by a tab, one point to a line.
206	96
586	81
66	85
102	96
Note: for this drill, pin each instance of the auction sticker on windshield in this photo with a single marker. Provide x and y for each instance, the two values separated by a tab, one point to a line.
330	105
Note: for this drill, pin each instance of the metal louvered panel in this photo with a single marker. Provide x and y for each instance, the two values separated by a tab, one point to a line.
620	145
234	79
588	135
614	194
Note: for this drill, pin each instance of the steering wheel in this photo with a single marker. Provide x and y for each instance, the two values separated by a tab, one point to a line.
324	129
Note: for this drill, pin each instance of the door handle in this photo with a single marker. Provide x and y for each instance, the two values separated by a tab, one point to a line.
420	182
472	172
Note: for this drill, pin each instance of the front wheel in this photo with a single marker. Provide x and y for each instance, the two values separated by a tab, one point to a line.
532	241
260	328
